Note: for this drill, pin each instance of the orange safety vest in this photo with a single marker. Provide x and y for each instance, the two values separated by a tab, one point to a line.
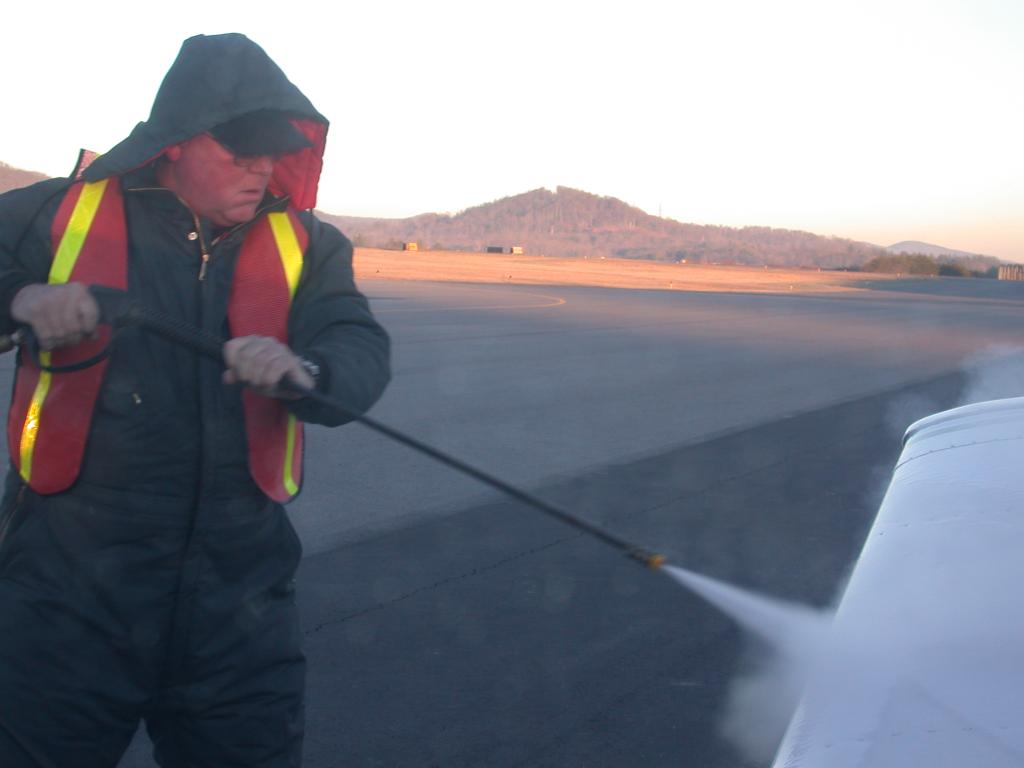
48	422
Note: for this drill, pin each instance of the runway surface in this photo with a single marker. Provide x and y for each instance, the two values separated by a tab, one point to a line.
541	384
747	437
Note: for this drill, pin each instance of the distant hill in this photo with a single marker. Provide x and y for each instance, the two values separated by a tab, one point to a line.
973	261
12	178
572	223
928	249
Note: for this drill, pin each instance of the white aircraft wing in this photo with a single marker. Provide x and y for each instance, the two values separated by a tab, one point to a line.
925	665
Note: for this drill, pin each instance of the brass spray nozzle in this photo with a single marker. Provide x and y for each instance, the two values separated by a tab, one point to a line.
652	560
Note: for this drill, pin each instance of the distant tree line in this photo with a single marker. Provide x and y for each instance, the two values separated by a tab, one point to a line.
920	264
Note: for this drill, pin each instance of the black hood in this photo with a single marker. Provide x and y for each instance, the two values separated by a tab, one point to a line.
214	79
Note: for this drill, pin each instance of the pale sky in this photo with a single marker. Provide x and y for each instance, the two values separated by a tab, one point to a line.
878	120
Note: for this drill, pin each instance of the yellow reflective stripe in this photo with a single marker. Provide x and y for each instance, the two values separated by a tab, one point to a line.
31	428
73	239
289	455
290	251
64	260
288	248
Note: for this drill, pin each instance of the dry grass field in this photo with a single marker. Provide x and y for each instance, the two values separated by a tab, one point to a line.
373	263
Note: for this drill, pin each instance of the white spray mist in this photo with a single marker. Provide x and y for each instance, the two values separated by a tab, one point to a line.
994	373
793	639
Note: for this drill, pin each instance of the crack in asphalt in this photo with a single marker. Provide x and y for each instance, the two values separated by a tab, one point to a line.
442	582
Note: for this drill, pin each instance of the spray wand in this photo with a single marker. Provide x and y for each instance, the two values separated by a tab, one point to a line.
117	310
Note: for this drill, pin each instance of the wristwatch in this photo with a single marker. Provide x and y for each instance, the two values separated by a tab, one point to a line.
313	369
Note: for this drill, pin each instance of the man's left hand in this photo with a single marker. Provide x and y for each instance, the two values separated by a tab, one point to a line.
262	362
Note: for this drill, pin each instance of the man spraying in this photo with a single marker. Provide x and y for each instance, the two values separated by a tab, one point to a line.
146	561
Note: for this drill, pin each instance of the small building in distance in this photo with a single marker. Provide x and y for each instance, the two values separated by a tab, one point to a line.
495	249
413	246
516	250
1011	272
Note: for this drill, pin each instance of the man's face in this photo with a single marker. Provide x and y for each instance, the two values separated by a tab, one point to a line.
214	183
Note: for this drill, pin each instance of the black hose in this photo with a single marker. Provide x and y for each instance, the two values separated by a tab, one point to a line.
118	310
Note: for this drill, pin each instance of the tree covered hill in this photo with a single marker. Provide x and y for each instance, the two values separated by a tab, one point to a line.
569	222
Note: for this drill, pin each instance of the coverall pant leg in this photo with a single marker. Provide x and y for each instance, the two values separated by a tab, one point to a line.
234	697
111	614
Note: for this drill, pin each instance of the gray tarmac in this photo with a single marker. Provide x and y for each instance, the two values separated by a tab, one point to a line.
492	637
748	437
539	384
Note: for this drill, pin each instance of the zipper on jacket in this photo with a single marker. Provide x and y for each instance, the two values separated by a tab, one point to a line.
279	203
204	252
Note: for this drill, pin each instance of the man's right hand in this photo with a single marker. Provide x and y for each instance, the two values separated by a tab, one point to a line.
59	315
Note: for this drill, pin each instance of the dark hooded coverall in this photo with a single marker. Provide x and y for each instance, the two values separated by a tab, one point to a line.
160	585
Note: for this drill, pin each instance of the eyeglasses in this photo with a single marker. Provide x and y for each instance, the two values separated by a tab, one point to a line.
248	161
244	161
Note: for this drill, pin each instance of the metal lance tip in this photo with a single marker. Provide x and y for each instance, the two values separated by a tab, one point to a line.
652	560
